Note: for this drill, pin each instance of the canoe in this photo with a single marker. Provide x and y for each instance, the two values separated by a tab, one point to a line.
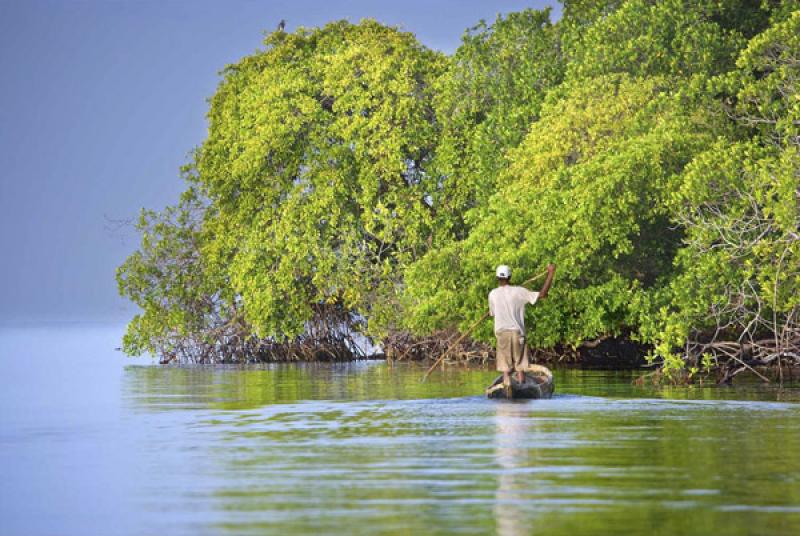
538	384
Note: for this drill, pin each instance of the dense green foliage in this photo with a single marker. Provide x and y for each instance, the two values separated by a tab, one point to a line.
588	190
169	279
316	162
737	287
649	149
487	101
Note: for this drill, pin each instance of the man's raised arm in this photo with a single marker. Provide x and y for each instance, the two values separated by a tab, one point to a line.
551	270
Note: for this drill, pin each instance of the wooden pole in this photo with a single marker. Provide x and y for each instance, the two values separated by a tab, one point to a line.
471	329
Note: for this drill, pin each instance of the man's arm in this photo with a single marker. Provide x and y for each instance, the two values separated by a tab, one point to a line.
551	270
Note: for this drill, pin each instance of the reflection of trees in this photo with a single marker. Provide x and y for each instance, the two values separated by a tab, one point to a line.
355	459
237	387
696	467
572	465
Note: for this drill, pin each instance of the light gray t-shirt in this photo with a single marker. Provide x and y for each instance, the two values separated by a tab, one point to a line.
507	306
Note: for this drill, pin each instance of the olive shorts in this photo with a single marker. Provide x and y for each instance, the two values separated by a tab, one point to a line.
512	352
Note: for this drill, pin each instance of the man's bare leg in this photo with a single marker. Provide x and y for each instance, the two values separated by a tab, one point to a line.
506	377
520	376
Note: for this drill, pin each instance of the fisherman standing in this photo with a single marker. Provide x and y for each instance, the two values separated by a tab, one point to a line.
507	306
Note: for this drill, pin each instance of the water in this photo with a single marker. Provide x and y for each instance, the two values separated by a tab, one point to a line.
94	443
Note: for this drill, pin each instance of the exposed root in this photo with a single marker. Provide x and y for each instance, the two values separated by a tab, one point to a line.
403	346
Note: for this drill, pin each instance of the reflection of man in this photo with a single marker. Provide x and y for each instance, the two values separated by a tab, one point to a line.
507	306
512	454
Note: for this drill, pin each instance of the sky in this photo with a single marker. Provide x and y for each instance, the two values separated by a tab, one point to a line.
100	104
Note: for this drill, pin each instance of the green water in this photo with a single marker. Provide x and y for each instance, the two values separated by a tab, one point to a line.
93	445
367	448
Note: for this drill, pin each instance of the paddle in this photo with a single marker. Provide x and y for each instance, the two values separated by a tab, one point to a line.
471	329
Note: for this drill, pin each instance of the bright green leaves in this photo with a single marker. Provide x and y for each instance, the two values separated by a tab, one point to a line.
587	189
494	89
764	86
738	271
316	160
178	292
350	169
646	38
600	185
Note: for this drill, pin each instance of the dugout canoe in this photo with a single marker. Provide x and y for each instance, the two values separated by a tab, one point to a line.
538	384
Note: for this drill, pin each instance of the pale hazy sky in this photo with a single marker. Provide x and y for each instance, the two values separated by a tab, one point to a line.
100	102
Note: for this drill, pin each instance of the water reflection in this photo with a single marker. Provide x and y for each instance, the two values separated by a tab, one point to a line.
90	447
233	387
364	449
510	456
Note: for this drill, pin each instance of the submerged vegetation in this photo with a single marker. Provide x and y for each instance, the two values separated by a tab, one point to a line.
356	190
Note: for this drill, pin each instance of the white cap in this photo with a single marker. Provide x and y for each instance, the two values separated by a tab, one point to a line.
503	272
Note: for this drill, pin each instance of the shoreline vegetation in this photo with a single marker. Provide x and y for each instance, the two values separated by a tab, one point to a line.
356	191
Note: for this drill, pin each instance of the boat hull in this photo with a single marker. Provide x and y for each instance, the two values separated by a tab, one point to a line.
538	384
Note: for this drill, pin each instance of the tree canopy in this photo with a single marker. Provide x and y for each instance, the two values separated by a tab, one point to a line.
649	149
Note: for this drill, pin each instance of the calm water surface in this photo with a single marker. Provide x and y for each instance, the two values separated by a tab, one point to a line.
93	443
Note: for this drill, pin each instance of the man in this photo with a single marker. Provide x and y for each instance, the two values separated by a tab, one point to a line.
507	306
